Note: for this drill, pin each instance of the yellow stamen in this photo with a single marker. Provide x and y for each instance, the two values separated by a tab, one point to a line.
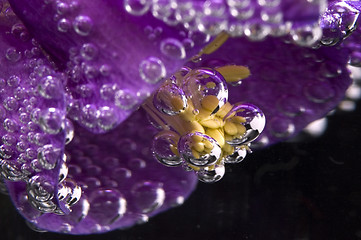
234	73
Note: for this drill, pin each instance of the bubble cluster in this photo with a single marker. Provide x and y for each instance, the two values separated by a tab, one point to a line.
201	130
253	19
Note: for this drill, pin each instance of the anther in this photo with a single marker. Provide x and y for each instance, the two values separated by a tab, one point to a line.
201	130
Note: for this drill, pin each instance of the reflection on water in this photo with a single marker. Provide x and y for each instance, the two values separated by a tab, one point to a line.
301	190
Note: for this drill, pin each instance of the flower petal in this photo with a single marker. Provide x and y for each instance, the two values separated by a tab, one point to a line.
122	183
292	85
114	52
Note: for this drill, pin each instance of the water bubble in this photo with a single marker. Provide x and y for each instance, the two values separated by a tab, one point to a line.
64	25
6	151
48	156
161	147
319	92
10	125
170	99
190	153
69	131
9	139
257	32
89	115
148	196
306	36
83	25
12	54
88	51
237	156
152	70
107	206
172	48
10	171
11	104
281	127
13	81
125	99
108	91
50	88
137	7
254	124
62	8
107	118
51	120
40	188
211	175
204	82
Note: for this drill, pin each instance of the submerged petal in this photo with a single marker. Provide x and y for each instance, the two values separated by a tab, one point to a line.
115	53
122	183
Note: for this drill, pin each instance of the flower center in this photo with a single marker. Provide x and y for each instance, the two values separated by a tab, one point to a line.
200	129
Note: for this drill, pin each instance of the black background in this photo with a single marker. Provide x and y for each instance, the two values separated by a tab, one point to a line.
305	190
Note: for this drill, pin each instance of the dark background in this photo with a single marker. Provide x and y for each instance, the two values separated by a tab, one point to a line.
309	189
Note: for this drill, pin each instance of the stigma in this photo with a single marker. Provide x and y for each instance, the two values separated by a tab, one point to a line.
200	130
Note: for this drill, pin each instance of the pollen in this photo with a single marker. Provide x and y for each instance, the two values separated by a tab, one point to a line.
202	130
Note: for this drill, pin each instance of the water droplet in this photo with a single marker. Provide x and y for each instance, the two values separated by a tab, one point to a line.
13	81
204	82
11	104
12	54
88	51
50	88
137	7
319	92
190	155
281	127
306	36
40	188
49	156
148	196
152	70
108	91
107	206
69	131
172	48
108	118
83	25
211	175
161	147
237	156
255	122
125	99
170	99
51	120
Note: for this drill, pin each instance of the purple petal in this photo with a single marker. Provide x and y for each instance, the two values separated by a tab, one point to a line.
115	53
292	85
122	183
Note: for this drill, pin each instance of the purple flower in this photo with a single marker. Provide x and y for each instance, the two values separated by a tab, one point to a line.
76	152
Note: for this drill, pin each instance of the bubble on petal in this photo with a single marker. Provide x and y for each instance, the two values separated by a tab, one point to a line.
152	70
148	196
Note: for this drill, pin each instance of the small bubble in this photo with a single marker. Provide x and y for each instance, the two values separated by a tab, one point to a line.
172	48
51	120
152	70
148	196
137	7
83	25
125	99
88	51
12	54
48	156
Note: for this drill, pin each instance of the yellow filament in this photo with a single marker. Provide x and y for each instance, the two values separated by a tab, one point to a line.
215	44
234	73
210	102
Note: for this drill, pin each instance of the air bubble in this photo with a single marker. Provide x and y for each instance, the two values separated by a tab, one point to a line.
170	99
88	51
49	156
148	196
152	70
172	48
83	25
162	148
211	175
125	99
254	124
50	88
137	7
51	120
12	54
190	153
